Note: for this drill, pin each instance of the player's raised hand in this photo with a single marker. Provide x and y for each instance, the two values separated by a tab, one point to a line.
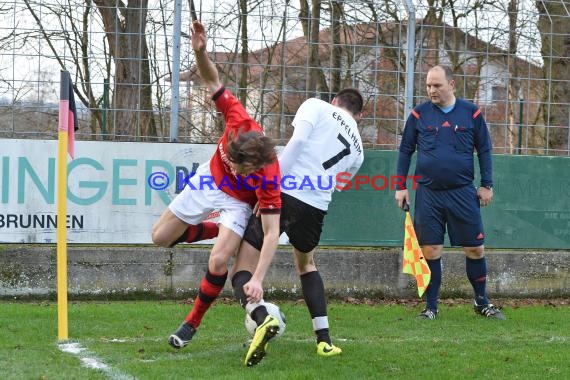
198	36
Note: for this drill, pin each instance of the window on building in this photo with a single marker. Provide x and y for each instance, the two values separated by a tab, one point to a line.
499	93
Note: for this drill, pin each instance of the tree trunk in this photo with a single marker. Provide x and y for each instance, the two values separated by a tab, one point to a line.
313	43
132	95
243	76
553	28
336	15
514	85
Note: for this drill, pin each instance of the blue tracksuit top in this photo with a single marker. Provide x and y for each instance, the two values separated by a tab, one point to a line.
445	143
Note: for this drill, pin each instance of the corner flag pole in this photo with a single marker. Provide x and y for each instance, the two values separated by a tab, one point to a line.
62	148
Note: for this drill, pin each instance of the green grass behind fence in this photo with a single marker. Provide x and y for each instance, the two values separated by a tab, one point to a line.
378	341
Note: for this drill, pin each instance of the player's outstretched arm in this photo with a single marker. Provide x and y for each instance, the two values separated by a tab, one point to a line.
254	288
206	68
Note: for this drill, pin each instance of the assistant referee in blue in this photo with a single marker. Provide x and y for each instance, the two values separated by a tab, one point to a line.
445	131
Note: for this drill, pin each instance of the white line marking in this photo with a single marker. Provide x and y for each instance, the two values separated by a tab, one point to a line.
90	361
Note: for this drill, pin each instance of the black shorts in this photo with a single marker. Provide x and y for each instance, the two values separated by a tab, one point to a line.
457	209
303	224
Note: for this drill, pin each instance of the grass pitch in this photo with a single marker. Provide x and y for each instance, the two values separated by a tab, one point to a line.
127	340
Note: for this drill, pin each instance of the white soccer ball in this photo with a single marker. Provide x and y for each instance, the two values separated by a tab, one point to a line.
273	310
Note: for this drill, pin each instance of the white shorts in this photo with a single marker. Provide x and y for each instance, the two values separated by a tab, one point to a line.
197	200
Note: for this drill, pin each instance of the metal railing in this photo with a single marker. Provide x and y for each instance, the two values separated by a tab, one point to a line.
510	58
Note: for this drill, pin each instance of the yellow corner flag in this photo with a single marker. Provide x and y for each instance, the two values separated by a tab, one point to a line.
67	126
413	261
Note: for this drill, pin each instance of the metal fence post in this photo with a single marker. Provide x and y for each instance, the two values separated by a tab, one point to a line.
175	78
410	58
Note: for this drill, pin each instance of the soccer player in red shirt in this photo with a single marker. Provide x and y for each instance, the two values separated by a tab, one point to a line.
242	172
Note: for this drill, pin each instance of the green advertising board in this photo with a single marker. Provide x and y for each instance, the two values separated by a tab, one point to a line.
530	208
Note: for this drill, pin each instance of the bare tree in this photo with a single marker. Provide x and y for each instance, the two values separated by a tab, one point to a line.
336	59
243	75
274	102
311	21
514	82
359	44
443	20
125	31
555	107
77	44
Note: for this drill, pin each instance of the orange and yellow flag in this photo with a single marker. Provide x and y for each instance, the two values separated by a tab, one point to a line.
414	262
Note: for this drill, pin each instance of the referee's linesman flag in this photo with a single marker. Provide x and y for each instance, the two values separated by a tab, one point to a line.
413	261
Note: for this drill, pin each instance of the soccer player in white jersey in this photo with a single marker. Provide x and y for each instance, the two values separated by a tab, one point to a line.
325	144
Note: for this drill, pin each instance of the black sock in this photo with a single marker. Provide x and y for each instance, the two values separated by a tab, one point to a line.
314	294
238	281
432	291
259	314
477	274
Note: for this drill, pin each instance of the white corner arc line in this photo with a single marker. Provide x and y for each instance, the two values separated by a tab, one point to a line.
90	361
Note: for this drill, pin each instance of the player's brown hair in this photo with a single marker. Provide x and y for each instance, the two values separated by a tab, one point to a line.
251	147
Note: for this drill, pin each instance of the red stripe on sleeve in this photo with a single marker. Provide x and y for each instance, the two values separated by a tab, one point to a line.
416	115
476	113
